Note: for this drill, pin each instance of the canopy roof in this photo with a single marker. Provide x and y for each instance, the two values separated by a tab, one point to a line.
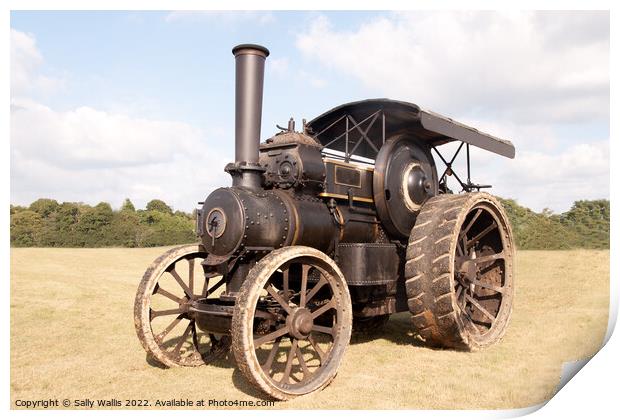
360	128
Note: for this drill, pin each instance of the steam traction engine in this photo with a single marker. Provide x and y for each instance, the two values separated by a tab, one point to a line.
328	229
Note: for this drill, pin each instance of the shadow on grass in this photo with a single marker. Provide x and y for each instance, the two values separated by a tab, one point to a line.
244	386
398	330
221	357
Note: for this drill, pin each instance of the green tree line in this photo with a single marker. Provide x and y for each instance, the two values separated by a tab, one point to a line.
585	225
47	223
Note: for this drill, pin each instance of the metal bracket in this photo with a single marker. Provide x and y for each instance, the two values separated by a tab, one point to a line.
466	186
350	125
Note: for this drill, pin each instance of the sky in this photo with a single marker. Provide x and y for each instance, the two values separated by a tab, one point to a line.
113	105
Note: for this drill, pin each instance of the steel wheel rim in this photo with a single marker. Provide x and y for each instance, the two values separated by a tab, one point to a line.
166	327
483	283
301	366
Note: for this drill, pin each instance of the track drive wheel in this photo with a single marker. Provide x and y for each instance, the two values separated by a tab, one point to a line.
459	271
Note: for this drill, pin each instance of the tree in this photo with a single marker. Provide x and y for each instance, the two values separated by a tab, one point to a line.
128	206
47	223
64	225
25	227
44	206
158	205
16	209
165	229
125	229
93	225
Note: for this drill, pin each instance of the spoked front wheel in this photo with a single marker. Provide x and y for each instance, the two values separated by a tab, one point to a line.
163	318
292	322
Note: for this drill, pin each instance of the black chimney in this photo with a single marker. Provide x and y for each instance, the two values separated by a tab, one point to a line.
249	75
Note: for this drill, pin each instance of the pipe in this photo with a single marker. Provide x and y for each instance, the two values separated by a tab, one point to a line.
249	76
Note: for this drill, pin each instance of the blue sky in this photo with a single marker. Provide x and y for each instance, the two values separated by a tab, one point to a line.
170	68
108	105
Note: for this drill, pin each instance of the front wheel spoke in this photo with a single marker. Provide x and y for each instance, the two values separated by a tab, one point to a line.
302	363
304	285
177	348
289	362
274	293
160	337
190	286
181	283
322	329
269	337
215	286
172	297
329	305
497	289
272	355
482	234
155	314
480	307
285	287
316	288
316	348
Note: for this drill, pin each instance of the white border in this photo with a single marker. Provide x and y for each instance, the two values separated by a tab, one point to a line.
591	394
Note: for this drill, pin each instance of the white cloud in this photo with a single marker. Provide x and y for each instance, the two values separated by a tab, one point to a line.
222	16
536	178
521	76
519	66
90	155
25	63
556	180
85	137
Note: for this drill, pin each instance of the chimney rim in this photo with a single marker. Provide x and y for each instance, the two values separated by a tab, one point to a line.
250	49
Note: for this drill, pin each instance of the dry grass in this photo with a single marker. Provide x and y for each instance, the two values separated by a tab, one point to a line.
72	336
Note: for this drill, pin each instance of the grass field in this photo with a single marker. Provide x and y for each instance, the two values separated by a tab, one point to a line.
72	336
